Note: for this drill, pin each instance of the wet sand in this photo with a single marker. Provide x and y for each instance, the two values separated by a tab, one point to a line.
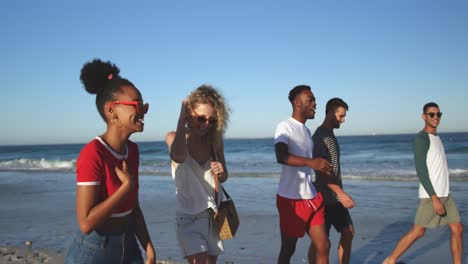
41	208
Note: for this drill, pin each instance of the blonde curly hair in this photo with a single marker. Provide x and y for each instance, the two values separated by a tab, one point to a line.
206	94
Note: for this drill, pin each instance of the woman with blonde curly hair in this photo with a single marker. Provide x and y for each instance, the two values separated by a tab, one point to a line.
197	154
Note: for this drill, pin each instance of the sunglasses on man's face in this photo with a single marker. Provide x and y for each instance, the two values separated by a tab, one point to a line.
140	107
204	120
432	115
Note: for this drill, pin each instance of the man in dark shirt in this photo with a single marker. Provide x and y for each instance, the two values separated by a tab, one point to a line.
335	199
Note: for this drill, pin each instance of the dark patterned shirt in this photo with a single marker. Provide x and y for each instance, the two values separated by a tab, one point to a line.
326	146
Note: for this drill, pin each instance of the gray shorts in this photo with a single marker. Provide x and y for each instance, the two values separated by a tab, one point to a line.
198	233
426	217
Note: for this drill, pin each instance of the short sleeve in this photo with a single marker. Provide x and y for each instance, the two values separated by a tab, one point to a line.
282	133
89	167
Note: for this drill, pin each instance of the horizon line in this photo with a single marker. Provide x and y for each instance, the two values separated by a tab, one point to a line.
228	138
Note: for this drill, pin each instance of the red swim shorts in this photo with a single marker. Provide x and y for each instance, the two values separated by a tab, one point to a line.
297	215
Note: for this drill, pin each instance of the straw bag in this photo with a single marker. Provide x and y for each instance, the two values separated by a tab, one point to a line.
227	218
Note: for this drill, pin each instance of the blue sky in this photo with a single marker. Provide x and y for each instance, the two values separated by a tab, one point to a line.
384	58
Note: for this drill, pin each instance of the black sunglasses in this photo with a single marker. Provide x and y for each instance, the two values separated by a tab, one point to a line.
203	120
432	115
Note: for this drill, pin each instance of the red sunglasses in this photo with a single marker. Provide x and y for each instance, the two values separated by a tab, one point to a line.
139	105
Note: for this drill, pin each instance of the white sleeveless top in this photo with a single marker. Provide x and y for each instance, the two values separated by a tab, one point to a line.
195	186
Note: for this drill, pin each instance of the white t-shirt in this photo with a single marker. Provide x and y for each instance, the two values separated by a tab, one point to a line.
295	182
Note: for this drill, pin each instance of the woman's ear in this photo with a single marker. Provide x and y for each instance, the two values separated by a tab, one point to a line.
110	113
108	109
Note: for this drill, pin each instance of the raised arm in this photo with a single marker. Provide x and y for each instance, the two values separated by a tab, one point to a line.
175	140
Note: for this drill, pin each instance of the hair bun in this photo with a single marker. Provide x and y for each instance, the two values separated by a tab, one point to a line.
95	75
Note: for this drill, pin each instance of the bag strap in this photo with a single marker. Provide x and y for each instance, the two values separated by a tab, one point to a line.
226	194
214	157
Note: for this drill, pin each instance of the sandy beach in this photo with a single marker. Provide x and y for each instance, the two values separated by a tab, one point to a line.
40	207
28	255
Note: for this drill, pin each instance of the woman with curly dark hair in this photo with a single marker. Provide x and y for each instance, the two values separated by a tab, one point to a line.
107	208
197	154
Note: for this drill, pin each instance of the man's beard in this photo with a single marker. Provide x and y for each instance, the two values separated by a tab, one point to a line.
336	123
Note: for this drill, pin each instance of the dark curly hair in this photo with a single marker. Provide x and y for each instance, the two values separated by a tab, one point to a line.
103	80
296	91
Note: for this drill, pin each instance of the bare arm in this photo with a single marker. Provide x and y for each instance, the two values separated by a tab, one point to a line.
90	213
345	199
176	140
219	166
284	157
143	235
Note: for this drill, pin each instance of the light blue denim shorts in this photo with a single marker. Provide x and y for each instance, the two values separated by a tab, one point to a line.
104	249
198	233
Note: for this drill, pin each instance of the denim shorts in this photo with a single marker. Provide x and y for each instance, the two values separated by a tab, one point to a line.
104	249
198	233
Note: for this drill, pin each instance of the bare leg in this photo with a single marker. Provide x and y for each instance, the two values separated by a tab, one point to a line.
201	258
456	242
213	259
344	248
320	245
288	246
405	242
312	253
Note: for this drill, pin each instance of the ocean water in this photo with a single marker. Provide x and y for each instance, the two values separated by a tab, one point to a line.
37	190
384	157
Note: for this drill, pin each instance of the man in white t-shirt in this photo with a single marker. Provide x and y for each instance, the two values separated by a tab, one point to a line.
300	206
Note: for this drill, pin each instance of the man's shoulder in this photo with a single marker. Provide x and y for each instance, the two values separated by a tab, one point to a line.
289	124
422	133
284	122
283	125
283	132
421	136
322	133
